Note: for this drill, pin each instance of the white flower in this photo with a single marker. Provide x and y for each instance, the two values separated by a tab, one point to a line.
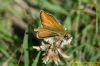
52	52
53	49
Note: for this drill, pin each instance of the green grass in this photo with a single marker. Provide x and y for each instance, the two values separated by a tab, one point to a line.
25	48
18	18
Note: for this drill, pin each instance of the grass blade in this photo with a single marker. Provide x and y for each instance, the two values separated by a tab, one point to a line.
35	62
25	47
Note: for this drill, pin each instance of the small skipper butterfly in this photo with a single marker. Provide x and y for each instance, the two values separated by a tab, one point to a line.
50	29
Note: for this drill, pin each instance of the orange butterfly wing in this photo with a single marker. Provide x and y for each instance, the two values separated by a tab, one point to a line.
49	23
50	27
44	33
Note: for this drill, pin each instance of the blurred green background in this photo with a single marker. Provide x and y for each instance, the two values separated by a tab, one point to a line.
80	17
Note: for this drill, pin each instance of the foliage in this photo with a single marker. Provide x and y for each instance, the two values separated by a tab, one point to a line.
18	18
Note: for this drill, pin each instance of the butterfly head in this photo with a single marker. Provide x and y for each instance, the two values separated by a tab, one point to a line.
66	39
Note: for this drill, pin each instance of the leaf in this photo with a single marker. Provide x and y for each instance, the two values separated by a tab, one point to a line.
25	48
67	23
35	62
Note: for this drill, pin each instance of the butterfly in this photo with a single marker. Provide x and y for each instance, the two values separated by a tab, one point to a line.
51	30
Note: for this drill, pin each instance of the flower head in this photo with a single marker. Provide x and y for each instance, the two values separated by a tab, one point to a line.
53	52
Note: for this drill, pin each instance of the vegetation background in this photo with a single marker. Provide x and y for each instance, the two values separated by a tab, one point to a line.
18	18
